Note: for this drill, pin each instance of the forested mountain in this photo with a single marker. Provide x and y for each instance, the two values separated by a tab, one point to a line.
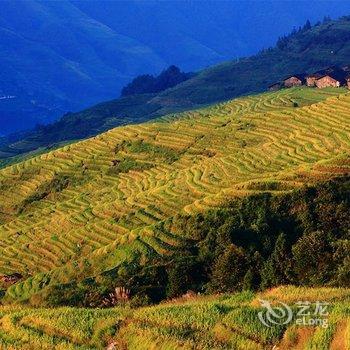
56	58
304	50
61	56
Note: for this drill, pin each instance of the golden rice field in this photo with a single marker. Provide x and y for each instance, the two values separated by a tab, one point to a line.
217	322
86	207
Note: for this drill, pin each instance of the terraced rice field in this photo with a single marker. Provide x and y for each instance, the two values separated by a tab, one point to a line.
88	206
215	322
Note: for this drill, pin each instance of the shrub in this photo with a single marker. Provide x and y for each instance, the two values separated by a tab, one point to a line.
313	258
182	276
149	84
228	271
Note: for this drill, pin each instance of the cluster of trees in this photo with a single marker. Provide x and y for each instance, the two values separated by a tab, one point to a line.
282	41
151	84
261	241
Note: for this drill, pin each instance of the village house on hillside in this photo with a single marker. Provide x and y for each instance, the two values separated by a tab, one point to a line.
335	79
329	77
294	80
311	78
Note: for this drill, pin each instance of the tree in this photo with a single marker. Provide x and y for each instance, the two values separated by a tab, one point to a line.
141	84
248	280
149	84
276	269
312	258
182	276
307	25
342	260
228	270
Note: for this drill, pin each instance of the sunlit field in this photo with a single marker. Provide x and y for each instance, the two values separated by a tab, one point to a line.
88	206
202	322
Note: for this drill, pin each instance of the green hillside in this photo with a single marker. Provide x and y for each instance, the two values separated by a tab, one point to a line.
89	207
307	50
212	323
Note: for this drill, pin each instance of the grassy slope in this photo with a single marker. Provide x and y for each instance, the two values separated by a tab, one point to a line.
321	46
86	207
216	322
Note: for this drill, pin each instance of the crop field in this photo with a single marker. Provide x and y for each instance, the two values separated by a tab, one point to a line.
200	322
86	207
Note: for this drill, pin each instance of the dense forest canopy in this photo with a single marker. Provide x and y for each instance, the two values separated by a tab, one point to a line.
147	83
258	242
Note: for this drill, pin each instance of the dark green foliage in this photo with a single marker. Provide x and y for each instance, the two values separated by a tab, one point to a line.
146	83
275	269
229	270
140	300
141	84
167	154
300	238
257	242
248	280
126	164
57	184
65	294
183	275
342	262
146	282
313	258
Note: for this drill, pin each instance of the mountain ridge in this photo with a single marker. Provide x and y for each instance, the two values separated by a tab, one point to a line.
69	55
306	50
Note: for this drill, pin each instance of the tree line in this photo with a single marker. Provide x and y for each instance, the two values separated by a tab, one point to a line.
147	83
258	242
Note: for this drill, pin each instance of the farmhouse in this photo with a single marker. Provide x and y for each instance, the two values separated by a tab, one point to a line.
333	79
311	78
294	80
326	81
329	77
